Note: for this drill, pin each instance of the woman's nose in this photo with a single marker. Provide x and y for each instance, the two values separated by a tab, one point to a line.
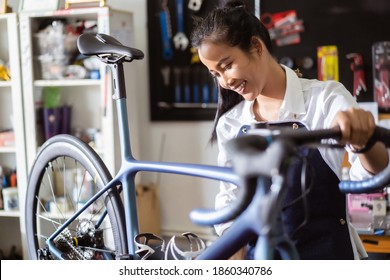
226	81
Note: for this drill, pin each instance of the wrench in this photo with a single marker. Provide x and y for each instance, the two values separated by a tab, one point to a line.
195	5
165	34
177	73
166	73
180	39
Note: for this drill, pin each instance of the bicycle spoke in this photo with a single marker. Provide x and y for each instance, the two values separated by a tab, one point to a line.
60	185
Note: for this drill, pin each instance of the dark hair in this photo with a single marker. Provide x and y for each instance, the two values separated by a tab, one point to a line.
234	25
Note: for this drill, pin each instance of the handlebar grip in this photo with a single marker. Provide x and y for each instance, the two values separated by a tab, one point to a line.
373	184
207	217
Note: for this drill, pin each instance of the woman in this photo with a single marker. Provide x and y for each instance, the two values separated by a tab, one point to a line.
253	87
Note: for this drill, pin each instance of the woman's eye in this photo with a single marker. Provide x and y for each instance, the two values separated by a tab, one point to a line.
214	75
228	66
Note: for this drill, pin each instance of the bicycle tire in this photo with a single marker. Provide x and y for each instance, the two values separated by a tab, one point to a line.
50	182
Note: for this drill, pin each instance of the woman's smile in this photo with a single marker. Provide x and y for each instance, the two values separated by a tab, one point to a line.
240	88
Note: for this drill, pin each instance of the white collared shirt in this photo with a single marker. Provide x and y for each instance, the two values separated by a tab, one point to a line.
312	102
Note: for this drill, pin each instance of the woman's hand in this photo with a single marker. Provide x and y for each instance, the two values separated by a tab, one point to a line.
356	125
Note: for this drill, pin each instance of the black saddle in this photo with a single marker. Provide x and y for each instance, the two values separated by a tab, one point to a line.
103	45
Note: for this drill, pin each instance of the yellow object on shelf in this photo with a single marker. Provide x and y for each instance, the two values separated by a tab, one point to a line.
4	73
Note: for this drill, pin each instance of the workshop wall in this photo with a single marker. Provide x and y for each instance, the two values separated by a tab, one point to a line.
353	26
180	86
182	89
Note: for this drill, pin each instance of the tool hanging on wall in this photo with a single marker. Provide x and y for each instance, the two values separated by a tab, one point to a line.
177	74
257	8
381	74
166	30
283	27
328	63
180	40
195	80
186	82
359	80
205	88
166	75
194	56
195	5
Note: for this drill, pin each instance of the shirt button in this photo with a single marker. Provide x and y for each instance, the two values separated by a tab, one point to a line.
342	221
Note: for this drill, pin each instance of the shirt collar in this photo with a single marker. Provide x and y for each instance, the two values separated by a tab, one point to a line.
293	100
293	103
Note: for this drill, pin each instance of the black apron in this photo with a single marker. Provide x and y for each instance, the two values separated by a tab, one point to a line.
318	226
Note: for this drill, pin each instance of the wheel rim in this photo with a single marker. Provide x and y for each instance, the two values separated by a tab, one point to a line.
63	185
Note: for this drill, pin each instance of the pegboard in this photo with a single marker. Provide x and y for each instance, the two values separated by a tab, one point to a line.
353	26
180	88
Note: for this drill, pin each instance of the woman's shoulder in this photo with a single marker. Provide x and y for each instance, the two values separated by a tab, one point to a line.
240	110
230	122
323	86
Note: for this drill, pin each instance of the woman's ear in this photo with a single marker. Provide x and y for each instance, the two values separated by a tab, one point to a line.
257	44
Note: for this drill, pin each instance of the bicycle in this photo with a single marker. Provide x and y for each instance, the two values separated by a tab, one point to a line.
75	209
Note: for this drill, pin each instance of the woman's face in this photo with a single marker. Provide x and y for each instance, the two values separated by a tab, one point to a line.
242	72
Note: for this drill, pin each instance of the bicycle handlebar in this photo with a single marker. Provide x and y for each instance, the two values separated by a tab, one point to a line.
377	182
251	151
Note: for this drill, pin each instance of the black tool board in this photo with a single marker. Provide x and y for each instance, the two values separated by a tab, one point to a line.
353	26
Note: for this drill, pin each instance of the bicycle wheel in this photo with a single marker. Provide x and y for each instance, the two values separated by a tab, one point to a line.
66	173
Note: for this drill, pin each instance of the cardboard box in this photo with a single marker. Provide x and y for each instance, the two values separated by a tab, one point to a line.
148	205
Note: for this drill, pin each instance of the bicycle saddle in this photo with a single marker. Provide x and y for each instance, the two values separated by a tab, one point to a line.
102	45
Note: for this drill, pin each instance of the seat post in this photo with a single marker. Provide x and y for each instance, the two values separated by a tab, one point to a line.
119	96
118	80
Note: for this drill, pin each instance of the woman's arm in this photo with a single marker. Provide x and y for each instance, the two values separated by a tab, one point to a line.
357	126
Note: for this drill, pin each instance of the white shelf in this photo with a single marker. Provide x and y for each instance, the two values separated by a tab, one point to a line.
92	105
91	102
11	157
6	150
66	83
12	214
5	84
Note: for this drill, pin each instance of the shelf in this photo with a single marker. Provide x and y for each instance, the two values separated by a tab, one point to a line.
13	157
15	214
5	83
66	83
65	12
89	99
4	150
187	105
